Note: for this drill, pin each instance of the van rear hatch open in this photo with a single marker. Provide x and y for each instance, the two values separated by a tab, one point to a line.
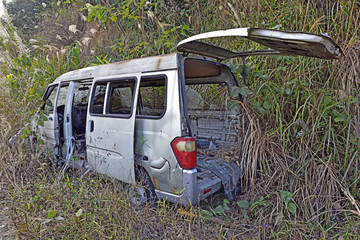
207	91
211	123
279	43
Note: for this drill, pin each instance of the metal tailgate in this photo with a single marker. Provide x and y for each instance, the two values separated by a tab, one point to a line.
279	43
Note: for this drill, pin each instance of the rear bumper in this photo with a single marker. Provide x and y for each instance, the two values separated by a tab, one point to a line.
194	190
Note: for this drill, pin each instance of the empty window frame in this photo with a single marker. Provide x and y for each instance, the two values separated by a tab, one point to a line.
79	111
98	100
209	96
49	98
152	97
120	98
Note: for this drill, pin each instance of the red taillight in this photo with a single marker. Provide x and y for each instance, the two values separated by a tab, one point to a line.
207	190
185	151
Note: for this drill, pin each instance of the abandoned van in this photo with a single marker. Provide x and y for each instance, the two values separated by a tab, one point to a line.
153	118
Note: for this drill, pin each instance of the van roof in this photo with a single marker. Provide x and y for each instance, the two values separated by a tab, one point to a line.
146	64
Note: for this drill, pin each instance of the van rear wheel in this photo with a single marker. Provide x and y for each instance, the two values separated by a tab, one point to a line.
144	191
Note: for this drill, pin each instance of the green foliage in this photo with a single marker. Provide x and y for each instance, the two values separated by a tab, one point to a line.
218	210
99	12
26	81
26	13
206	214
51	214
259	204
145	34
244	207
286	196
243	203
244	91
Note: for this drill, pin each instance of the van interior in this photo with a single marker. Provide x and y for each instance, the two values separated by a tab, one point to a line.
208	87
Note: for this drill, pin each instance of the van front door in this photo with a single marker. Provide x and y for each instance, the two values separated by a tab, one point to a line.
48	130
110	126
53	131
62	106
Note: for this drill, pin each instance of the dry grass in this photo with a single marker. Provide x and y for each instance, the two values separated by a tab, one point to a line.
34	190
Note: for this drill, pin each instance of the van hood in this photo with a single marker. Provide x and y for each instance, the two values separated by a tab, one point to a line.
279	43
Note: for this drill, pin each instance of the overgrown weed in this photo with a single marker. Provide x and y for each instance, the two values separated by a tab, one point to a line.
42	205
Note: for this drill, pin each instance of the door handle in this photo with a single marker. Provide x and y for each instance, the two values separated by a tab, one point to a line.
50	118
91	125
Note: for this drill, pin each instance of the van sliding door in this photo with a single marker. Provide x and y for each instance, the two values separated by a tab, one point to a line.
110	126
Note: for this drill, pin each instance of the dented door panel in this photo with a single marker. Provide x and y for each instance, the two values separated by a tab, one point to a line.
153	135
110	126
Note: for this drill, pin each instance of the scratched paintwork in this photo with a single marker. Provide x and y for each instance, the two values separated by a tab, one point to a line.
146	64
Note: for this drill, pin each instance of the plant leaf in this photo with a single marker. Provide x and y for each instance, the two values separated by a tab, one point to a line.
267	105
243	203
292	208
257	105
285	195
219	210
41	123
235	92
232	104
51	214
245	91
206	213
287	91
113	18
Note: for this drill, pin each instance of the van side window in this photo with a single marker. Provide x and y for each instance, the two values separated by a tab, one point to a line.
80	103
50	99
121	97
152	96
62	95
81	95
99	98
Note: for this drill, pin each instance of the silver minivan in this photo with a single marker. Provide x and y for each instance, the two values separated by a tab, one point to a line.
155	119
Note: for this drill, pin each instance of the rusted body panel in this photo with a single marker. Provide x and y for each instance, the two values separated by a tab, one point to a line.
146	64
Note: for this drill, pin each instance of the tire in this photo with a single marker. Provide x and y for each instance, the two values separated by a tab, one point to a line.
144	191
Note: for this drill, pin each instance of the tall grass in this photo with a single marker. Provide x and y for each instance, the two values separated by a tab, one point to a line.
300	150
302	144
